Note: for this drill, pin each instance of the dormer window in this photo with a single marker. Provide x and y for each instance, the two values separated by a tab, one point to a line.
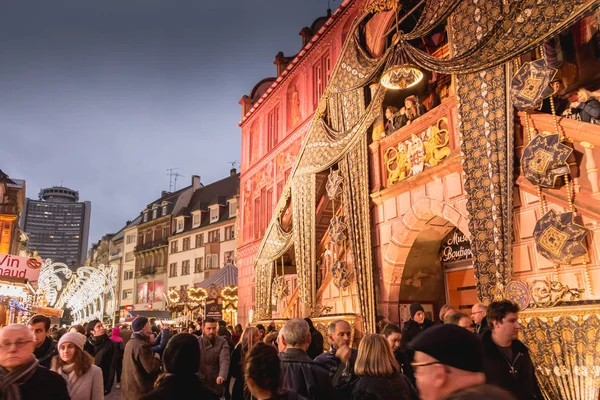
195	219
145	215
214	214
180	221
232	208
164	205
154	211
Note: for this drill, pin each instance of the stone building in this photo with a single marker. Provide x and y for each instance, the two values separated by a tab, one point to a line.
12	203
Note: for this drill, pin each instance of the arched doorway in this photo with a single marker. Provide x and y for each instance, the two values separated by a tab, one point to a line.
412	267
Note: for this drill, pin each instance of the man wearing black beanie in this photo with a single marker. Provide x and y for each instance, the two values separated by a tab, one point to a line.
447	358
415	325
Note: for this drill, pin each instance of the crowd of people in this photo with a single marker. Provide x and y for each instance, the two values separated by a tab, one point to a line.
462	357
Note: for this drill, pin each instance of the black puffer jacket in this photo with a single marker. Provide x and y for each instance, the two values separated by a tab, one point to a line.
411	329
308	378
499	371
395	387
46	352
106	354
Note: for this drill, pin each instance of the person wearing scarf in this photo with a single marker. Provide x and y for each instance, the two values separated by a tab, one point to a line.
116	337
21	376
84	379
181	361
104	351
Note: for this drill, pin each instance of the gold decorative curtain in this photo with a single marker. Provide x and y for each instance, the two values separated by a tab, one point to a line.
304	199
355	171
564	343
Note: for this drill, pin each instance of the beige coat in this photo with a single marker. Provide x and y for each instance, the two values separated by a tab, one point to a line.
89	386
140	368
214	362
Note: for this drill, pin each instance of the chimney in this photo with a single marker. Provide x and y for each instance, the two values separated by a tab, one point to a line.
306	34
164	193
196	184
246	103
232	172
281	62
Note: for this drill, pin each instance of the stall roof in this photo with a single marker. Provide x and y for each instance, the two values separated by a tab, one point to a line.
227	276
158	314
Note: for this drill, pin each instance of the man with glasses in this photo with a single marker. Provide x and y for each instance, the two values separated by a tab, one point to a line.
507	360
447	358
478	315
21	376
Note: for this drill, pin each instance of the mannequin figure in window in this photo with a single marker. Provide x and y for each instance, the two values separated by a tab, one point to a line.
396	119
414	109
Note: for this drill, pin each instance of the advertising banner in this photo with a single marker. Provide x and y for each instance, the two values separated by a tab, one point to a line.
20	267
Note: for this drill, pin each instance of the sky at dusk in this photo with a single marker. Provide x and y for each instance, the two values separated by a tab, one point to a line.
104	96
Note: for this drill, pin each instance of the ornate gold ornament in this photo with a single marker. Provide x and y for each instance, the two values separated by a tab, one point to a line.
531	84
383	5
334	184
320	310
281	289
551	293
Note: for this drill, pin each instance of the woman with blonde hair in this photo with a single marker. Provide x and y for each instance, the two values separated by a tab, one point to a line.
247	341
379	373
586	108
84	379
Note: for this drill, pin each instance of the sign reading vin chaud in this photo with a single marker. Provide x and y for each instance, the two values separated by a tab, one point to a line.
19	267
455	247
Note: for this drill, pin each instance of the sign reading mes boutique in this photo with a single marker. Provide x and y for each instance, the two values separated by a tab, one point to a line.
455	246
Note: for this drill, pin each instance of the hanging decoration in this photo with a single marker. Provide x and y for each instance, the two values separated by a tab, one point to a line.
531	84
337	230
334	184
545	160
281	289
559	238
197	295
173	296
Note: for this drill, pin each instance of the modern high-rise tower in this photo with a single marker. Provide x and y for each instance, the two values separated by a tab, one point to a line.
58	225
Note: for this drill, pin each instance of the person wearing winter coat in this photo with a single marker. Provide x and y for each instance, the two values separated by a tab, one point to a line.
45	346
316	341
116	337
140	366
105	352
263	375
21	375
379	373
214	366
301	374
84	379
181	360
507	362
160	343
249	338
415	325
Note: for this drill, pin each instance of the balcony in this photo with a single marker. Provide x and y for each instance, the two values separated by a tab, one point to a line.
8	208
151	245
115	255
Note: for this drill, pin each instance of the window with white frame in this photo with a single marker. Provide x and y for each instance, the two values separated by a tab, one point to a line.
145	216
214	214
187	243
129	256
164	208
214	236
228	257
198	265
200	240
229	233
232	208
127	294
172	270
185	267
196	219
180	224
131	238
174	246
154	213
212	261
128	275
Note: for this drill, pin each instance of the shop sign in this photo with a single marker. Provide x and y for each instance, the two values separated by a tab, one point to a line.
20	267
214	308
455	246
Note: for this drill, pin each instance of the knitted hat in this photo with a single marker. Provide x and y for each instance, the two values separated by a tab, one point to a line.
72	337
452	346
182	355
414	307
138	324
